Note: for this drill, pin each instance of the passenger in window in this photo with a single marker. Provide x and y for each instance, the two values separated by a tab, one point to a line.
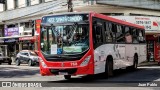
75	38
60	41
128	38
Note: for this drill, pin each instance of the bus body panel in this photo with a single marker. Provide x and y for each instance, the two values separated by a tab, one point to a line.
131	51
67	65
123	55
143	53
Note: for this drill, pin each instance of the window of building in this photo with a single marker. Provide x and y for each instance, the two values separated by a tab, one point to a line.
11	26
5	6
114	14
28	2
25	24
15	3
41	1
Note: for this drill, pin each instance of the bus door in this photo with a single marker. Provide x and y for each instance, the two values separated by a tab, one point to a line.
120	47
120	55
99	48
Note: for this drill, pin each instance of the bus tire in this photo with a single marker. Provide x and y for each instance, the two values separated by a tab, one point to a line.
135	62
67	77
109	67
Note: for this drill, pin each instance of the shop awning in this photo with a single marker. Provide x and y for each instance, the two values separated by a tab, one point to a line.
26	38
9	39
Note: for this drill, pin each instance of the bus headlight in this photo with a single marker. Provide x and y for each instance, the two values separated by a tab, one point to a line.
42	62
86	60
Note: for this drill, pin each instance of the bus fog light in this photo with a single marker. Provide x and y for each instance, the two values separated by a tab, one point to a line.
42	62
86	60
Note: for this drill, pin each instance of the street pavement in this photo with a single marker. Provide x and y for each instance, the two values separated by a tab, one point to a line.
122	80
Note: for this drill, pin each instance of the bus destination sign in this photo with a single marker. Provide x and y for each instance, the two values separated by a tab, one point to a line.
64	18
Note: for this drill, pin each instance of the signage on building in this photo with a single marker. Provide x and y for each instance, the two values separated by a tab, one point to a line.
151	24
26	38
10	40
11	31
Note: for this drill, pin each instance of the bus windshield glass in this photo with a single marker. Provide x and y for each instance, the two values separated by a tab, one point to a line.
65	38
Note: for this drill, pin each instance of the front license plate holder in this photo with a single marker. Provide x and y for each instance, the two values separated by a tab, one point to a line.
63	73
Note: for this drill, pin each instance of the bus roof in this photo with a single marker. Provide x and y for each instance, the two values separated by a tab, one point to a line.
101	16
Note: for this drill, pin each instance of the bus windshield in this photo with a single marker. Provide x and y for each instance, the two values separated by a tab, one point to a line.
65	39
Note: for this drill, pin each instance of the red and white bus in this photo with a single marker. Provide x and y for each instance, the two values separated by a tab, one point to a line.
79	43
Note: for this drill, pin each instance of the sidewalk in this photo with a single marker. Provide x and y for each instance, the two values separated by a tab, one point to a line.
148	64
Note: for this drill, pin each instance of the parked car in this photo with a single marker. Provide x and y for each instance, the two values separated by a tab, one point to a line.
26	56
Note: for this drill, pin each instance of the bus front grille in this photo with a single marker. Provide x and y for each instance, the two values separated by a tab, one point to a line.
69	71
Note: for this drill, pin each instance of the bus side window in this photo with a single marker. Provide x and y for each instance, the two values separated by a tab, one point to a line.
135	36
119	34
141	37
128	35
108	37
97	34
109	34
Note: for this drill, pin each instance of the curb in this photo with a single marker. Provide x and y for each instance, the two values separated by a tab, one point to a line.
148	64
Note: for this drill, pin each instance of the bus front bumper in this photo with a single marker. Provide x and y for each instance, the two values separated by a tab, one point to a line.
47	71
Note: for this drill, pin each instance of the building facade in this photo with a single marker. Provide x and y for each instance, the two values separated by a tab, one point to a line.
20	14
20	20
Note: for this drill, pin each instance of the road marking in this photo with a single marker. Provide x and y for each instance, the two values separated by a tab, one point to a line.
149	67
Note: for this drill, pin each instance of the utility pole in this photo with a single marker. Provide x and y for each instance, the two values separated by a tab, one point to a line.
70	6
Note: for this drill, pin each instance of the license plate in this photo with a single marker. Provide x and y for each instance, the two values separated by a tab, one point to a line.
63	73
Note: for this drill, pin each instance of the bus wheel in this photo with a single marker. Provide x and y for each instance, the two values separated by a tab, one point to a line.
109	67
67	77
135	63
